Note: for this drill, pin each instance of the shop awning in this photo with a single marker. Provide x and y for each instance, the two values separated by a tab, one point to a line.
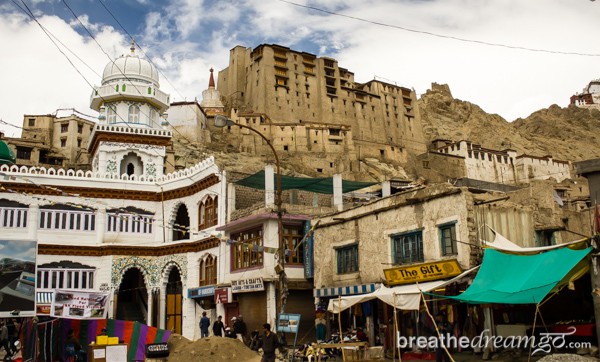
405	297
321	185
503	244
523	279
353	289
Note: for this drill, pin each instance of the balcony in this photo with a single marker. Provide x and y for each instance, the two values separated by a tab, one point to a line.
13	217
109	93
67	220
129	223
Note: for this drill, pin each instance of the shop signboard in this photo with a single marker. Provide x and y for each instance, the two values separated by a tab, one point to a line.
425	272
201	292
79	305
223	295
17	278
247	285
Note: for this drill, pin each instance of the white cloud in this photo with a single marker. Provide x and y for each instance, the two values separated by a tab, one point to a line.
37	78
187	37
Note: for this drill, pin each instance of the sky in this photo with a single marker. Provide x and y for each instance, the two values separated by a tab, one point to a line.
510	57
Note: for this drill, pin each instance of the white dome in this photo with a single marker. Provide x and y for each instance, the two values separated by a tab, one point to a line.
130	67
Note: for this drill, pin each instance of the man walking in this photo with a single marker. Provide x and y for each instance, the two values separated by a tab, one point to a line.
269	344
204	324
218	327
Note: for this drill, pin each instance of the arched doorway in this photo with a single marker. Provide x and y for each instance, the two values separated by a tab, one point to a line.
174	305
132	297
131	164
181	230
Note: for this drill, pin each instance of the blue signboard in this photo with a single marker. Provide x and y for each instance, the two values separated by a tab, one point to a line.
288	323
201	292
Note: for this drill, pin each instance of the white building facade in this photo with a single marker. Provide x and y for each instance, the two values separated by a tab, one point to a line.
125	227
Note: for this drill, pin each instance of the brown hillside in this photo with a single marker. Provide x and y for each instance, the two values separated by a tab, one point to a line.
571	134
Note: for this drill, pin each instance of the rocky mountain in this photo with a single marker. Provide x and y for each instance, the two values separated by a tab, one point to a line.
570	134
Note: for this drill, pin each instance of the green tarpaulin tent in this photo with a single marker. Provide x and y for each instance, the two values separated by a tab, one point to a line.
522	279
322	185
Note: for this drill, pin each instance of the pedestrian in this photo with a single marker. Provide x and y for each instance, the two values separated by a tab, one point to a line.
269	344
14	330
229	333
242	328
4	338
237	329
204	324
445	329
218	327
72	347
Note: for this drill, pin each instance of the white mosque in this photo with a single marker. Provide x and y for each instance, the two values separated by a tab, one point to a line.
125	227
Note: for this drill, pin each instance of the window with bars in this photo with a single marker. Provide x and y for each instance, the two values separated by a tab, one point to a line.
347	259
448	239
207	213
292	235
11	217
67	220
129	223
244	254
208	271
408	248
65	278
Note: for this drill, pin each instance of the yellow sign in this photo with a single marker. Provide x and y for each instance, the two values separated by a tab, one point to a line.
422	272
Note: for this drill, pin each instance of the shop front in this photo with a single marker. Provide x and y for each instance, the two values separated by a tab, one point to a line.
251	299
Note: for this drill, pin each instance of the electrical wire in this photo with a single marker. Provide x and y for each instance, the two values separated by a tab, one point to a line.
428	33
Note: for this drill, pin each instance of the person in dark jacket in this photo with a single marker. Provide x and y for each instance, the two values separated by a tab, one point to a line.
218	327
269	344
204	324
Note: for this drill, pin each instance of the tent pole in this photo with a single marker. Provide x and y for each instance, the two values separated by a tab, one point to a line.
394	338
340	326
436	327
537	310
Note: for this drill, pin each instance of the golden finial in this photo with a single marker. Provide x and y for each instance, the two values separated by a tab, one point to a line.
132	46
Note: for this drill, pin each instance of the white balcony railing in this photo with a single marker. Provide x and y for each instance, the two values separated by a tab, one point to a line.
129	223
67	220
13	217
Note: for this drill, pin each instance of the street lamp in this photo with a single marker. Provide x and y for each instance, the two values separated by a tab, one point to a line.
222	121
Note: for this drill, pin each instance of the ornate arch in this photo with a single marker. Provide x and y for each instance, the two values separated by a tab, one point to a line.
121	265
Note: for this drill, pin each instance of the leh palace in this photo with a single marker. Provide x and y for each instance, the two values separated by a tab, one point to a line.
172	216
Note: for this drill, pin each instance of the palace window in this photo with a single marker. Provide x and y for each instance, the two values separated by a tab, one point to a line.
244	249
23	153
208	271
292	235
64	127
448	239
408	248
207	213
347	259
